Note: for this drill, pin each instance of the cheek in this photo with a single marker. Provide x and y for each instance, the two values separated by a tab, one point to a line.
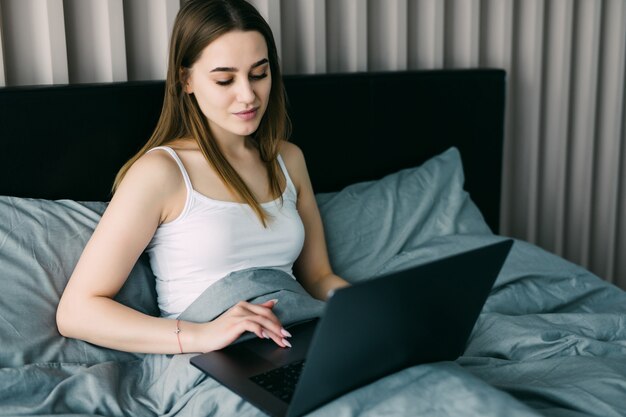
267	87
212	100
263	92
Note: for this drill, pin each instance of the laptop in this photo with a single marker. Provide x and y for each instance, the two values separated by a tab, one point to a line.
368	330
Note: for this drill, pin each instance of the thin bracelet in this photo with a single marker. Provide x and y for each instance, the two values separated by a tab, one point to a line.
177	331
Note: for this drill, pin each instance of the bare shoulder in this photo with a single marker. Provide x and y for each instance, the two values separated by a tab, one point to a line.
153	185
292	156
156	160
155	170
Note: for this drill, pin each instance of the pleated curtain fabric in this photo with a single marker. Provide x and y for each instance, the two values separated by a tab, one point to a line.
564	185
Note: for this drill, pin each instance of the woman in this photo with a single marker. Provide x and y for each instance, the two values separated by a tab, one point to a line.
216	189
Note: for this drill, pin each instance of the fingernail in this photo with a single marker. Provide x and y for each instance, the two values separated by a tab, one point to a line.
285	333
265	334
285	342
275	300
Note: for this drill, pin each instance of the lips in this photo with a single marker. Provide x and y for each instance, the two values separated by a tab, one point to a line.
247	114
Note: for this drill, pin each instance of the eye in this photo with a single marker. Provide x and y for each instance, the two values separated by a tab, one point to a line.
256	77
253	77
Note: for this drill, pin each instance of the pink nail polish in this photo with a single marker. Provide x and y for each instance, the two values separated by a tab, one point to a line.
285	342
265	334
285	333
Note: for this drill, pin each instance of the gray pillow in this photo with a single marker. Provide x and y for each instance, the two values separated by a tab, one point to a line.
40	243
368	223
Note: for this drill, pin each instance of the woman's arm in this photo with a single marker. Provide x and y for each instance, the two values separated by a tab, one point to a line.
149	194
312	266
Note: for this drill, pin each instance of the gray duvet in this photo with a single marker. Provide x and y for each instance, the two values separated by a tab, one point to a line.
556	352
551	340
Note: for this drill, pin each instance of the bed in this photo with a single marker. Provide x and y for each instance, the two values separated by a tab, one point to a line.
406	167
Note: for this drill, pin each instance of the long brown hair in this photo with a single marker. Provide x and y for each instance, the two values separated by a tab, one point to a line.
198	23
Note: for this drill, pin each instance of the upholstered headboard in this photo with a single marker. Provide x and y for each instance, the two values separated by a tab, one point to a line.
68	141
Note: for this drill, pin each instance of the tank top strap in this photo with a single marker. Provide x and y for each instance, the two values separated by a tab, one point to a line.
176	158
290	183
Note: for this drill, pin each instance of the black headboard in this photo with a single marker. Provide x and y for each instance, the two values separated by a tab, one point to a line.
68	141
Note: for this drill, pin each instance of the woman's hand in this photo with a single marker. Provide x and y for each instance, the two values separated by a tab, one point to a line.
244	317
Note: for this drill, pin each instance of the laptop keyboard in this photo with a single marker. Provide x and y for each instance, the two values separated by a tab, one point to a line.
281	381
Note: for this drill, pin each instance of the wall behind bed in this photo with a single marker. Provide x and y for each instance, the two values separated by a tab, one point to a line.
564	183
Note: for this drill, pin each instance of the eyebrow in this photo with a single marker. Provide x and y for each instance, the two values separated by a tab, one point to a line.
233	69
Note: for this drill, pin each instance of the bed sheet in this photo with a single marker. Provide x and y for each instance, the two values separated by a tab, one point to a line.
551	341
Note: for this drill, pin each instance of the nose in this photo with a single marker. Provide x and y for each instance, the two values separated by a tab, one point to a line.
245	92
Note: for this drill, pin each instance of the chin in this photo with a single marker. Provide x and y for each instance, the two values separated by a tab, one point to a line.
247	130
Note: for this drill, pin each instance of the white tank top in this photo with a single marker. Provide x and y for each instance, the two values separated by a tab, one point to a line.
212	238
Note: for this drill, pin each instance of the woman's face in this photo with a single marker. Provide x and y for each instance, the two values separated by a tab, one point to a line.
231	82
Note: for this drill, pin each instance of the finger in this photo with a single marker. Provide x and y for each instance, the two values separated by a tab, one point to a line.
269	303
244	308
264	317
269	325
251	326
267	332
279	340
263	310
272	323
